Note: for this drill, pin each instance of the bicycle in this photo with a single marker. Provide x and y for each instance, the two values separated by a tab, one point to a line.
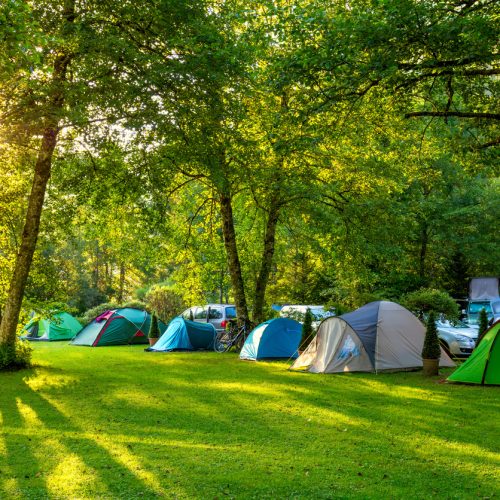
235	336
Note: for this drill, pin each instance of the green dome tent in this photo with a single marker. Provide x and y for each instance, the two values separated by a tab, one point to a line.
117	327
483	365
61	326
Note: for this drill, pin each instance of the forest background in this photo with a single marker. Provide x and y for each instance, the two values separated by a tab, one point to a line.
250	152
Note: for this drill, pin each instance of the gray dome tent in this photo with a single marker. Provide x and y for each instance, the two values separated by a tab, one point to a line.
378	336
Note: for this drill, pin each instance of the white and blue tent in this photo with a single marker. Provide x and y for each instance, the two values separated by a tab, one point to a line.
376	337
276	338
185	335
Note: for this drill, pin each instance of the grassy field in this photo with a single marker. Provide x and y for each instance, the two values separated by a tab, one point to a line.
117	422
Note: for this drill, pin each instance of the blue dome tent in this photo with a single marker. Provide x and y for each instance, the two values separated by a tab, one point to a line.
185	335
276	338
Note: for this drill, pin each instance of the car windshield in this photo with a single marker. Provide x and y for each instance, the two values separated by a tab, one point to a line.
230	312
475	307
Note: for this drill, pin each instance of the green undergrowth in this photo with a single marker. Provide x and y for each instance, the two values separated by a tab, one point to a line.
117	422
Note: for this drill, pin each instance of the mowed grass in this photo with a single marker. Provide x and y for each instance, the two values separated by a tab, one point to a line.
117	422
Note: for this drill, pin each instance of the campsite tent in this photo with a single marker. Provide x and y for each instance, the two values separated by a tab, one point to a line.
117	327
483	365
378	336
61	326
185	335
276	338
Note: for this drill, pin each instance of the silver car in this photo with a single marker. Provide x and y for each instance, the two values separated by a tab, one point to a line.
458	339
298	312
217	314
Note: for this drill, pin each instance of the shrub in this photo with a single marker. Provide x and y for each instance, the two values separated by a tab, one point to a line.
294	314
431	348
154	329
96	311
483	325
425	300
136	304
165	302
307	329
15	357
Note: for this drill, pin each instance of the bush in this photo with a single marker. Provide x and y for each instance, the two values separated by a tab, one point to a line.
96	311
483	325
425	300
136	304
431	348
294	314
307	330
15	357
154	329
164	302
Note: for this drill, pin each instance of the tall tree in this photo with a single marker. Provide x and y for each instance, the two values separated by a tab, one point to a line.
68	66
48	126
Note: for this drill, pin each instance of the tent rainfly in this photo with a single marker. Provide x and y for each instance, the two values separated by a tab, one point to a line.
483	365
276	338
61	326
378	336
185	335
117	327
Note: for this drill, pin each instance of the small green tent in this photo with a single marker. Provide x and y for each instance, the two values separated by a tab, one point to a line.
483	365
61	326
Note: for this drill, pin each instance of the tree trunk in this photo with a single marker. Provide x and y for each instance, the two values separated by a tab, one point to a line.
29	238
267	260
95	272
41	177
270	234
423	251
122	283
233	258
221	287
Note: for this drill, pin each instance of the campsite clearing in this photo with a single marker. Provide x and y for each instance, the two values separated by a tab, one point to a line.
118	422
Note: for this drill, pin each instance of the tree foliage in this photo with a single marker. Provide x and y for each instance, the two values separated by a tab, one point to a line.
251	153
427	300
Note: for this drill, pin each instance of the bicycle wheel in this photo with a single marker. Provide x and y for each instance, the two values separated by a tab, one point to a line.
239	341
222	342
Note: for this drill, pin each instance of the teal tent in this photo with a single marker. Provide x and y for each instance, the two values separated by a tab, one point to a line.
60	326
185	335
276	338
117	327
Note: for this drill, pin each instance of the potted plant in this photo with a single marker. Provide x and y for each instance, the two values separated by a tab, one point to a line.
154	330
431	351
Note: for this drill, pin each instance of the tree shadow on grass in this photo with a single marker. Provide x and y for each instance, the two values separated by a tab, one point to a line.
189	412
47	454
19	466
202	425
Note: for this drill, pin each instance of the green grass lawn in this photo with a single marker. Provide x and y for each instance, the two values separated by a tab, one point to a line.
117	422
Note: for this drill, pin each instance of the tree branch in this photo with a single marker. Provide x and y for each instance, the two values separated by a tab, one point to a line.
459	114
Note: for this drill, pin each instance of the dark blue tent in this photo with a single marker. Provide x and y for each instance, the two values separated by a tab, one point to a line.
276	338
184	335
